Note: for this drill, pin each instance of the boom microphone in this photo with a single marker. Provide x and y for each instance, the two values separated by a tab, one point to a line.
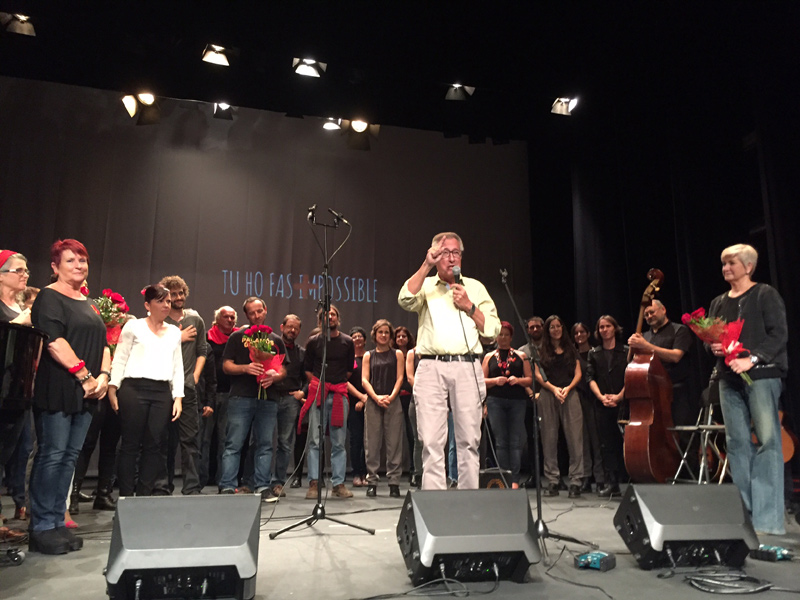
338	216
457	275
312	211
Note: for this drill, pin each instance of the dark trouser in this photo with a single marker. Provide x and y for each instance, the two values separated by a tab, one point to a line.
417	451
213	429
300	446
405	399
288	411
358	460
592	451
145	410
611	441
16	464
105	426
11	423
184	430
506	416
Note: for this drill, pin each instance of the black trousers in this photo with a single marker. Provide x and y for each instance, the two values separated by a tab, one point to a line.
184	431
145	410
611	441
105	427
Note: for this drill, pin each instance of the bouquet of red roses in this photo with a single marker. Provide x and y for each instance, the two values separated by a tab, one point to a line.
113	309
263	351
716	330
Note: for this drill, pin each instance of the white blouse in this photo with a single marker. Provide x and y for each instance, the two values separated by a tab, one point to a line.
142	354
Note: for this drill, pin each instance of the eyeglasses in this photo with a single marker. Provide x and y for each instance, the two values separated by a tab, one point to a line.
17	271
453	253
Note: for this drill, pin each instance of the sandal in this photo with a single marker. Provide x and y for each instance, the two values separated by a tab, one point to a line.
12	535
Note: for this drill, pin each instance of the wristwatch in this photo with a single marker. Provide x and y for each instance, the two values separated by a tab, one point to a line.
471	311
753	359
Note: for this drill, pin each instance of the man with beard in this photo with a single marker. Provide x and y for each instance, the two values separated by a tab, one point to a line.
290	397
185	429
535	327
340	359
246	409
213	425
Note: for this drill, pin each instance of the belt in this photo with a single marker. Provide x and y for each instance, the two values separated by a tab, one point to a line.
450	357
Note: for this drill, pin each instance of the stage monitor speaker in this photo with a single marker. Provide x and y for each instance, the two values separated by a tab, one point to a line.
494	478
685	525
184	547
467	532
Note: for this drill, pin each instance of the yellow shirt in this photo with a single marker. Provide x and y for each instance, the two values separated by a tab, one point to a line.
440	330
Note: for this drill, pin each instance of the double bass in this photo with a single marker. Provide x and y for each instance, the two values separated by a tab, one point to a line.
650	452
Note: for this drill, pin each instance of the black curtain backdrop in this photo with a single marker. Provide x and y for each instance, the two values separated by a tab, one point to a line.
223	204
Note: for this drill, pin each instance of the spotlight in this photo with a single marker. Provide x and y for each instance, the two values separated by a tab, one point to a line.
215	55
564	106
17	23
223	111
308	67
359	126
144	104
459	92
332	124
358	133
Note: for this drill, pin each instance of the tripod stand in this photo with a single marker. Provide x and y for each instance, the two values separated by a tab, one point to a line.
318	512
542	531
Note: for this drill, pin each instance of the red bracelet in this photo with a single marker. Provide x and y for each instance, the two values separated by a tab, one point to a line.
77	367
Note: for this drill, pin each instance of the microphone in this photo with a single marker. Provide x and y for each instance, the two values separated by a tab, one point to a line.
312	211
338	216
457	275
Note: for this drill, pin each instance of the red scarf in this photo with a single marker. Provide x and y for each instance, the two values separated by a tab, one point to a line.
339	394
216	335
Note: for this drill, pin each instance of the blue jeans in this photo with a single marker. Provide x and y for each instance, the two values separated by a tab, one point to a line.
242	414
60	439
452	453
288	409
507	416
338	436
757	469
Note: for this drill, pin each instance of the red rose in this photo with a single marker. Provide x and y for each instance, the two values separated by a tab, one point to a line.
84	290
686	318
123	307
116	298
112	334
698	314
107	292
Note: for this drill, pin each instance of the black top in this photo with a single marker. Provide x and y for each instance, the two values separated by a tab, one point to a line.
515	367
7	314
356	380
341	357
223	379
76	322
247	385
608	374
673	336
383	371
561	370
295	372
191	349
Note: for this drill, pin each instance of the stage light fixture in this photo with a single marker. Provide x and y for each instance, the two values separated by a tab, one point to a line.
459	92
215	55
358	133
308	67
145	105
223	111
359	126
332	124
564	106
17	23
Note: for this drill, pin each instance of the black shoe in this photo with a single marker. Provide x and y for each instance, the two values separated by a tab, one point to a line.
530	483
372	491
562	485
394	491
83	497
48	542
574	491
227	491
104	501
267	495
416	481
75	542
587	485
74	507
551	490
608	490
297	482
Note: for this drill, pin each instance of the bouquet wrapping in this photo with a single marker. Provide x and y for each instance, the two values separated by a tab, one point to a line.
716	330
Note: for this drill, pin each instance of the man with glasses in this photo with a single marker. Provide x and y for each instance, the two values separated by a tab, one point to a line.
454	314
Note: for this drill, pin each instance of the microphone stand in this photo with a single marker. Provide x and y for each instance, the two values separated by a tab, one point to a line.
542	532
318	512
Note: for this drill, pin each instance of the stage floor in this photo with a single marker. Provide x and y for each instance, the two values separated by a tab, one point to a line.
332	561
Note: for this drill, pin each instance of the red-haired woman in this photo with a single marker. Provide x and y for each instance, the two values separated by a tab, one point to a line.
560	404
507	373
73	374
382	374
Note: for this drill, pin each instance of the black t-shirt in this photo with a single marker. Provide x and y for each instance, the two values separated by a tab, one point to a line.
515	366
673	336
341	357
561	370
75	321
247	385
